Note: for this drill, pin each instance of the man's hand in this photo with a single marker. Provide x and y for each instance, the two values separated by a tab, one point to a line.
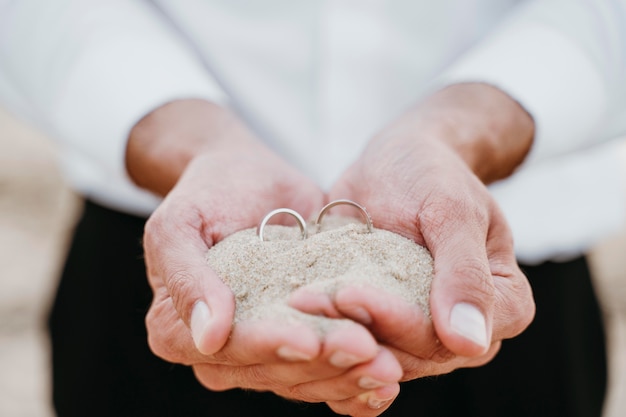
424	177
219	179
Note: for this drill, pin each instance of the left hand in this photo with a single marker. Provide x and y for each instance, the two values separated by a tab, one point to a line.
219	178
420	178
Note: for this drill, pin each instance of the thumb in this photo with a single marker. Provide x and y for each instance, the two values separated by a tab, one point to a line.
206	304
175	259
462	294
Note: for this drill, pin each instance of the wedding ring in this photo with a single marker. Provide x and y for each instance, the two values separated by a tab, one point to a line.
332	204
298	217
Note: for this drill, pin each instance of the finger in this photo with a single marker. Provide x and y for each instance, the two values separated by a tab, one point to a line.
250	342
515	307
462	292
168	336
393	321
381	372
316	303
403	326
370	403
415	367
345	347
268	341
175	259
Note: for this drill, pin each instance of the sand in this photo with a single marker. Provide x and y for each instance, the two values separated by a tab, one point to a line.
262	274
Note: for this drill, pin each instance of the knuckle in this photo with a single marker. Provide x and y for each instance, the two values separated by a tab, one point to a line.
311	393
160	341
213	377
253	377
437	213
432	215
181	287
299	393
435	362
223	377
161	348
441	354
428	368
153	231
527	304
412	368
516	305
436	351
225	356
477	280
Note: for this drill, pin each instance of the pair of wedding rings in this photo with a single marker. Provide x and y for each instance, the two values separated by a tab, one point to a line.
318	220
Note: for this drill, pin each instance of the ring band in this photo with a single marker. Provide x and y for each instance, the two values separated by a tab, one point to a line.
332	204
271	214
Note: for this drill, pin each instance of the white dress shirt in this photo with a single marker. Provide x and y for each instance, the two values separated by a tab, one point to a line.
316	79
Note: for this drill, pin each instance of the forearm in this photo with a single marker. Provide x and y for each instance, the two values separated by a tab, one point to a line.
161	144
489	130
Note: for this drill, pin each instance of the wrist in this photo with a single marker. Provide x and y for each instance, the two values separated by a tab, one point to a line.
489	130
161	145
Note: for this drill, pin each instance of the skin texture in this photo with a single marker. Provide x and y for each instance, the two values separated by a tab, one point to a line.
222	179
423	176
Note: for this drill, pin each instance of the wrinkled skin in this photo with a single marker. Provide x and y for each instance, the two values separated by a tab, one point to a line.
413	179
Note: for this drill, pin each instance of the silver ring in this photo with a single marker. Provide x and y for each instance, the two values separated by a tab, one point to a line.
332	204
301	222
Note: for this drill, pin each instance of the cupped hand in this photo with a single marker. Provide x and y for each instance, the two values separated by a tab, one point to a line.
424	177
224	186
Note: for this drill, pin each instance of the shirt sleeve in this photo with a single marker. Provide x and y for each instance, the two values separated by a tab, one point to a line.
564	61
560	207
87	70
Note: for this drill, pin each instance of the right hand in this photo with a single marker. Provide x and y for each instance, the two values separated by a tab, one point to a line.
220	185
424	177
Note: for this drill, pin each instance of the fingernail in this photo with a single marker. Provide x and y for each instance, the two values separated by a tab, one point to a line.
342	359
200	316
359	314
293	355
373	401
468	321
367	382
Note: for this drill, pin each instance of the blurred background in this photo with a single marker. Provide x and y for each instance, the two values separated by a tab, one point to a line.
37	213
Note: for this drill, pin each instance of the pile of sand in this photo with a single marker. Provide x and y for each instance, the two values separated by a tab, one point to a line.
262	274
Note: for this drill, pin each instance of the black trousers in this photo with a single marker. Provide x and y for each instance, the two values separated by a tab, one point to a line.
102	365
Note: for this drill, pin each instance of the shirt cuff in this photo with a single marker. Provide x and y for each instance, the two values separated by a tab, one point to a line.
548	74
112	87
